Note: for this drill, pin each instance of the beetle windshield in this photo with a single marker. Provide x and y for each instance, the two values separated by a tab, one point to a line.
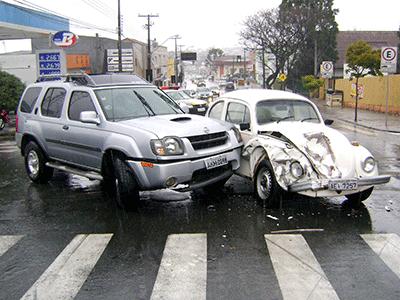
125	103
285	110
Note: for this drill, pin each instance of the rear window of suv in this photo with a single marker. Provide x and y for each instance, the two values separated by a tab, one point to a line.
29	99
53	102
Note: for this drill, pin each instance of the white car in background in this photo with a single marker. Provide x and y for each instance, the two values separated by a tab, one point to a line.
195	106
287	146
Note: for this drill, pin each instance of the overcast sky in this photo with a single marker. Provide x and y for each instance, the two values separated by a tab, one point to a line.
207	23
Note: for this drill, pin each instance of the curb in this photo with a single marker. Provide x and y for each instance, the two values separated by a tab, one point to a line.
7	135
368	127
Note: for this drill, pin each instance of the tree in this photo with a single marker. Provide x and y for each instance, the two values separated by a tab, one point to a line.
11	89
213	54
280	33
320	42
311	83
362	61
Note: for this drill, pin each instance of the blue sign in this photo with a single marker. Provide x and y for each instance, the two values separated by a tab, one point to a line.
49	63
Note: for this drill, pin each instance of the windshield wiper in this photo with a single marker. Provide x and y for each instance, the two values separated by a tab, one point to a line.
285	118
145	104
310	118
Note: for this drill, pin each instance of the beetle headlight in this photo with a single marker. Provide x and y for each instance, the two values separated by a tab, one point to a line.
237	134
369	164
296	169
167	146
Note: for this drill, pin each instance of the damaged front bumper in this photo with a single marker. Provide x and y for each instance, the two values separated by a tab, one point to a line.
324	184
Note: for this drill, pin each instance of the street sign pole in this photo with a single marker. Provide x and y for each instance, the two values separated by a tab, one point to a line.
388	65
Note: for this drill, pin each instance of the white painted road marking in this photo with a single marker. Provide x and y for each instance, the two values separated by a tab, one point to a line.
66	275
183	269
299	274
387	247
7	241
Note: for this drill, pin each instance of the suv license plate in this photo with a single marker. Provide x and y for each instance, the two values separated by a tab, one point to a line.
216	161
342	185
201	109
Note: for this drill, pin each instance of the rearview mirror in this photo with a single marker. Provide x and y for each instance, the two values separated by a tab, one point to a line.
244	126
89	117
328	122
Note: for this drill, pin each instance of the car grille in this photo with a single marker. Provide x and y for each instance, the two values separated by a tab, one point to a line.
204	174
208	140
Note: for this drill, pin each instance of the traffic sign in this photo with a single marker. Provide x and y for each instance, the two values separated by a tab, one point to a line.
282	77
389	59
326	69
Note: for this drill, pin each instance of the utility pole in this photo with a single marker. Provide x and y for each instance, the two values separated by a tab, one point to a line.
263	66
176	38
149	72
119	38
244	64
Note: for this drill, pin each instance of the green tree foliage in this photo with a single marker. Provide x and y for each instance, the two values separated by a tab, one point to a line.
311	83
362	61
321	30
11	89
213	54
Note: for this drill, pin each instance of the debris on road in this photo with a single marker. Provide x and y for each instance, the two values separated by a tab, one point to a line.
272	217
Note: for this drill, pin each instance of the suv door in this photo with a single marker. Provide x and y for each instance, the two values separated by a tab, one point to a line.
84	141
51	123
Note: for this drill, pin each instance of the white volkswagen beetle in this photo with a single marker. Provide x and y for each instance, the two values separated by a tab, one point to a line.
288	146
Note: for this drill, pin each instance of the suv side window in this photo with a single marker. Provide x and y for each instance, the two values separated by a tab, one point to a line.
29	100
216	111
53	102
237	113
80	101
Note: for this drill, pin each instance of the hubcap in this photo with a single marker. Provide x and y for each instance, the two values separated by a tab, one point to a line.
264	184
33	163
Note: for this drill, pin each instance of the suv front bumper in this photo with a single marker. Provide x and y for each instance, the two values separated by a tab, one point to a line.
155	175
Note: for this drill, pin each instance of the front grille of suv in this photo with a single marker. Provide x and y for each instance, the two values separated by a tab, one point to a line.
204	174
208	140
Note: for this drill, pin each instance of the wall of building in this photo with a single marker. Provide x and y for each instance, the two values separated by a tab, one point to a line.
374	94
22	66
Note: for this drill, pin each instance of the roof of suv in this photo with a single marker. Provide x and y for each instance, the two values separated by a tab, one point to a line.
96	80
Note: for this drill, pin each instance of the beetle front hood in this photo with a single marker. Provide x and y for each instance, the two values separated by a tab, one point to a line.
181	125
329	151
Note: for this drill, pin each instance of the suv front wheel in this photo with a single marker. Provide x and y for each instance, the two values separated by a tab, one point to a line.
35	164
125	185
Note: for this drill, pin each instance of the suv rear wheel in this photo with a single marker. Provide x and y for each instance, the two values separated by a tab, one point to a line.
35	164
125	186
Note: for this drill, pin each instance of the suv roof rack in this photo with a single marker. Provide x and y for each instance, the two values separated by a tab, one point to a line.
81	78
97	79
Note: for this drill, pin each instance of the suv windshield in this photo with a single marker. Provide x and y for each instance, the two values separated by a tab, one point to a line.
280	110
134	102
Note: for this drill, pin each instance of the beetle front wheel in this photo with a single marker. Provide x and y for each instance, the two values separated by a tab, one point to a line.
265	186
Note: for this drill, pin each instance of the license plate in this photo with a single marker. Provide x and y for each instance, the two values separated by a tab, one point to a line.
342	185
216	161
201	109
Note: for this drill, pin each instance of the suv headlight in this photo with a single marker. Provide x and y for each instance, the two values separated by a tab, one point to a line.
237	134
368	164
167	146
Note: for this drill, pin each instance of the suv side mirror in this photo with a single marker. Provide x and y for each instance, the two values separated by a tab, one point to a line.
328	122
89	117
244	126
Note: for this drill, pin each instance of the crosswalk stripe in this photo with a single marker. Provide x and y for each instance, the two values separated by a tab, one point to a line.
7	241
66	275
387	247
183	269
299	274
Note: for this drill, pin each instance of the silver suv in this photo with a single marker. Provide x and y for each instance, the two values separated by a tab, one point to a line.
124	131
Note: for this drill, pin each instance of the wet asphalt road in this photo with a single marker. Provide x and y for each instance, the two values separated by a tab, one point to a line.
238	263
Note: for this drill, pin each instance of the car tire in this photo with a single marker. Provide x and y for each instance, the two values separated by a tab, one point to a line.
266	188
356	199
35	164
126	190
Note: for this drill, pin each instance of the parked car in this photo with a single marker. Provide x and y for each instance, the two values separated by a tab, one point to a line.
289	147
195	106
124	131
204	93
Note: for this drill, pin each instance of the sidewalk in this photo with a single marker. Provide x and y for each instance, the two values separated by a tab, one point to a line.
8	132
366	119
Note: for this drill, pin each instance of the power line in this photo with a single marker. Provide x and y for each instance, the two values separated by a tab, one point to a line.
101	9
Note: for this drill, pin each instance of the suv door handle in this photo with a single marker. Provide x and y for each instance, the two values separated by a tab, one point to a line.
65	127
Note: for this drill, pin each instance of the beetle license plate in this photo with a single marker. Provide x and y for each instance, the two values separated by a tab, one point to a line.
342	185
216	161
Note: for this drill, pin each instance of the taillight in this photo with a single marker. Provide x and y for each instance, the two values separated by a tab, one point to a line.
16	122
